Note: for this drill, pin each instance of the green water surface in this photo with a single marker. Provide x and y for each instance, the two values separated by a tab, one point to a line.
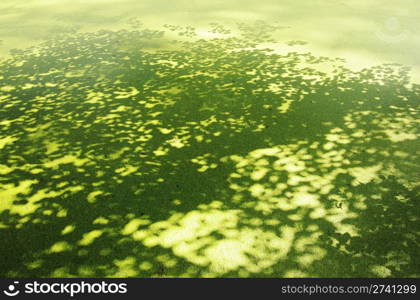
209	138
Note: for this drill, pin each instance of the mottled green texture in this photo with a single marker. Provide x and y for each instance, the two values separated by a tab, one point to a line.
139	153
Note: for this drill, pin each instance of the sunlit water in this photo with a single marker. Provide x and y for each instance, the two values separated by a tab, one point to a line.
365	33
209	138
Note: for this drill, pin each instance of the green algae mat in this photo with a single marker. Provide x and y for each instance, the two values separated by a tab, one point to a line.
159	153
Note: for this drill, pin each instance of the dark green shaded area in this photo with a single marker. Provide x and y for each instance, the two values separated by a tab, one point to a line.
128	154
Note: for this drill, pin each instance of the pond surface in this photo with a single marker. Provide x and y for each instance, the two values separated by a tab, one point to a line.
365	33
209	139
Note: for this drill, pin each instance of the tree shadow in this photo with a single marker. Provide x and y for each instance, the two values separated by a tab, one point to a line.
209	158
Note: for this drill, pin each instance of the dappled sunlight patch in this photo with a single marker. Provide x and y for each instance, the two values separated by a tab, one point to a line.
90	237
209	237
91	198
36	264
7	88
10	192
310	252
204	162
133	226
294	188
4	170
363	175
101	220
176	143
60	247
8	140
126	170
74	73
67	159
305	199
96	97
380	271
161	151
126	94
51	147
126	268
68	229
398	136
